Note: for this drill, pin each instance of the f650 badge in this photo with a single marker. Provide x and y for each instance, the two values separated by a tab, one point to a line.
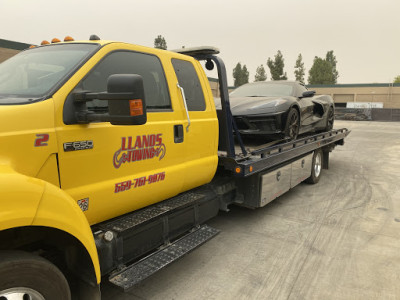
80	145
139	148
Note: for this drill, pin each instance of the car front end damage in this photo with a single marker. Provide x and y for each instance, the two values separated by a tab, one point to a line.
266	125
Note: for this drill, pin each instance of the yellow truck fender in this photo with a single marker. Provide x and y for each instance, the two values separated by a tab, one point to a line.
20	196
58	210
27	201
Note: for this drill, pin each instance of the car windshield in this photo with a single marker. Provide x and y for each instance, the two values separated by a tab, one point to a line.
263	89
32	74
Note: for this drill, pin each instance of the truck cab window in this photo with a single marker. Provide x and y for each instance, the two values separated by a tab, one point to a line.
189	81
126	62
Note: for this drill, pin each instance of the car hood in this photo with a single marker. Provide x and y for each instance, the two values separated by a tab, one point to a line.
257	105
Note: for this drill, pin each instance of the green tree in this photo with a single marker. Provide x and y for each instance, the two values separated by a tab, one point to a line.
396	79
245	74
240	75
276	67
261	75
160	43
299	70
332	60
321	72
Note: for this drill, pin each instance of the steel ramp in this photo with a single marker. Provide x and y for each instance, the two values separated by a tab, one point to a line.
156	261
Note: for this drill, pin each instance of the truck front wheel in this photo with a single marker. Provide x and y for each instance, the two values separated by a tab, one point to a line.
27	276
316	167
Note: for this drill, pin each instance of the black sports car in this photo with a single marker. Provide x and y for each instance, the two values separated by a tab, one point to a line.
280	109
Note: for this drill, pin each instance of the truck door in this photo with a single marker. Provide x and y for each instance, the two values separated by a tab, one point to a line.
111	170
201	136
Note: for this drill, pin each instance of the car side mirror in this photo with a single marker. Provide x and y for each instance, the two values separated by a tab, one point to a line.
126	102
308	94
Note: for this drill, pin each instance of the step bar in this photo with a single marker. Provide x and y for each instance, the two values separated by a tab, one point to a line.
158	260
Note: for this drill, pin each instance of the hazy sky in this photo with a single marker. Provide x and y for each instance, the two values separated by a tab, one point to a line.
364	35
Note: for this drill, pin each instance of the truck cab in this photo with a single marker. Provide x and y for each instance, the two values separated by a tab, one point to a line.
68	163
108	169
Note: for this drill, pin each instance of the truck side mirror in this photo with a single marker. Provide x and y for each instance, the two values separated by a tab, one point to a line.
126	102
130	110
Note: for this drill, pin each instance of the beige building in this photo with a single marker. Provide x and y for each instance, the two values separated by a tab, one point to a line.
383	95
10	48
215	87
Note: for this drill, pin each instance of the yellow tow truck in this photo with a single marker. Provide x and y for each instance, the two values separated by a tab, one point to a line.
112	158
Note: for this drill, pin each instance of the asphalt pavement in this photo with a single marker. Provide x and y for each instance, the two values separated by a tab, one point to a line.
338	239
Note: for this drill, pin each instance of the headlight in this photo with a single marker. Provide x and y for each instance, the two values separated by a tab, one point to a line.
273	103
279	102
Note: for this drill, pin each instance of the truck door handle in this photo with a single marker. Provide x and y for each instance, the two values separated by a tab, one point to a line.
178	134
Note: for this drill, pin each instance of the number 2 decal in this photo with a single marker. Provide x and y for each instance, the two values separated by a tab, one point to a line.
41	140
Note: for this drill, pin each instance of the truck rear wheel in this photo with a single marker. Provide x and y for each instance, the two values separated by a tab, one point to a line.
27	276
316	167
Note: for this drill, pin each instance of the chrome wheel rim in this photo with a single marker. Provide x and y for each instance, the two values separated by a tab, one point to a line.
317	165
21	293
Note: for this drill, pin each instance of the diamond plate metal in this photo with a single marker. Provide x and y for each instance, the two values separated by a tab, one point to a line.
160	259
138	217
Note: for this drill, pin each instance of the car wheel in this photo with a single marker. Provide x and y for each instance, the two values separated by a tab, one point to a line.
27	276
316	167
292	124
330	119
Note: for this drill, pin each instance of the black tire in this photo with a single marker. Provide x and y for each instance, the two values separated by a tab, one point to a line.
22	274
316	167
292	125
330	119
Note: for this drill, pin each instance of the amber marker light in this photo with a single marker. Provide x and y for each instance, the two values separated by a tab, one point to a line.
32	46
44	42
251	168
68	39
238	170
136	107
55	40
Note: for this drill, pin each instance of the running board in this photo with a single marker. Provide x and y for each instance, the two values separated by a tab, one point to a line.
156	261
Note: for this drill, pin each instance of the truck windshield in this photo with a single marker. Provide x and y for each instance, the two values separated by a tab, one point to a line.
32	74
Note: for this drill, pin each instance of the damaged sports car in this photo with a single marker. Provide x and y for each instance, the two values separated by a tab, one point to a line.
280	109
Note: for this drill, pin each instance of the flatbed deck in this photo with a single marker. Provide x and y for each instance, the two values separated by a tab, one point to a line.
262	157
